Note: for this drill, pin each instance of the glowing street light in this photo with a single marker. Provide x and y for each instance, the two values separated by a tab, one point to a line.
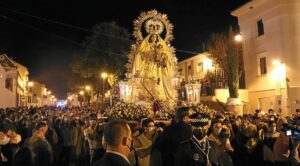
238	38
104	75
30	84
81	93
49	92
87	88
279	72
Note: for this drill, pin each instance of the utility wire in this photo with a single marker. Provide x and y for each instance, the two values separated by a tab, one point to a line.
54	35
47	20
190	52
58	37
61	23
77	27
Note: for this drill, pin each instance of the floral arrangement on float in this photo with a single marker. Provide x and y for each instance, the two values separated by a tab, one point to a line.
201	108
127	111
133	112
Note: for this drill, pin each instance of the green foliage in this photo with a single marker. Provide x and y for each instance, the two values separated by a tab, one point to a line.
105	50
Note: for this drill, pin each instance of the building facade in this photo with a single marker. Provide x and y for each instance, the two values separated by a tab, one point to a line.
271	52
37	94
194	68
8	82
22	85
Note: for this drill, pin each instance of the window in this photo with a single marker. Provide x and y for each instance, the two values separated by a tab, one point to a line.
9	84
180	71
260	28
263	65
29	99
190	67
200	67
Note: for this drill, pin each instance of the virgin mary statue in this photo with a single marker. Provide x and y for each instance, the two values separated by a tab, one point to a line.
154	63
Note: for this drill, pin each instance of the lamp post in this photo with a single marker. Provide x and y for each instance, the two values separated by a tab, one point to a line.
104	76
29	92
81	93
238	38
88	94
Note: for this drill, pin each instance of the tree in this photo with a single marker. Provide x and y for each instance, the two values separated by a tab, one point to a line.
227	53
106	50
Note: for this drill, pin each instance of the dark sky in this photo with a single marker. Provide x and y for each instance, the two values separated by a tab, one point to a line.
47	57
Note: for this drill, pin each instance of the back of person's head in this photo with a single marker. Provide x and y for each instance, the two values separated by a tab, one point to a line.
115	131
182	113
39	125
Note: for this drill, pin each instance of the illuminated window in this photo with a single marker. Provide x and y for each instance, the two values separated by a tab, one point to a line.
263	65
200	67
29	99
260	28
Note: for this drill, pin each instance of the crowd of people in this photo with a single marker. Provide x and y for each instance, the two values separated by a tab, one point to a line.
49	136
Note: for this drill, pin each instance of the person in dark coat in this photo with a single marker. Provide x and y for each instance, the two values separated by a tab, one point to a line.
118	141
42	154
168	142
197	150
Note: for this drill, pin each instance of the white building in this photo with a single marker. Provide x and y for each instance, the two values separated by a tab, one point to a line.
193	71
73	100
38	94
271	52
8	82
194	68
22	84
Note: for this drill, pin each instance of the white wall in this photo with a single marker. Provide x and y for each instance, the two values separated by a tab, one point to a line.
280	41
7	98
188	74
223	94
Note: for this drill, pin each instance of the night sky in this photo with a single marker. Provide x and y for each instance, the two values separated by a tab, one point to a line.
47	48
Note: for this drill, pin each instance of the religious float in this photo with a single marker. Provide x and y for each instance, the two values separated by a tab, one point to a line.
149	88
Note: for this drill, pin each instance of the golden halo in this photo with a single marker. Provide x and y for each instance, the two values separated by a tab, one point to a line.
153	17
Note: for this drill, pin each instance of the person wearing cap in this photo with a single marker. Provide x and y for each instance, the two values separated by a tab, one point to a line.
196	150
174	134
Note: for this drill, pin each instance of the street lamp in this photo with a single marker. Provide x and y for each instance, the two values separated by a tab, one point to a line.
81	92
238	38
103	75
49	92
30	84
279	75
88	96
87	88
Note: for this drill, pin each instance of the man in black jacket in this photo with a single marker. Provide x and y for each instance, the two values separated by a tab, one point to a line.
118	140
172	136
